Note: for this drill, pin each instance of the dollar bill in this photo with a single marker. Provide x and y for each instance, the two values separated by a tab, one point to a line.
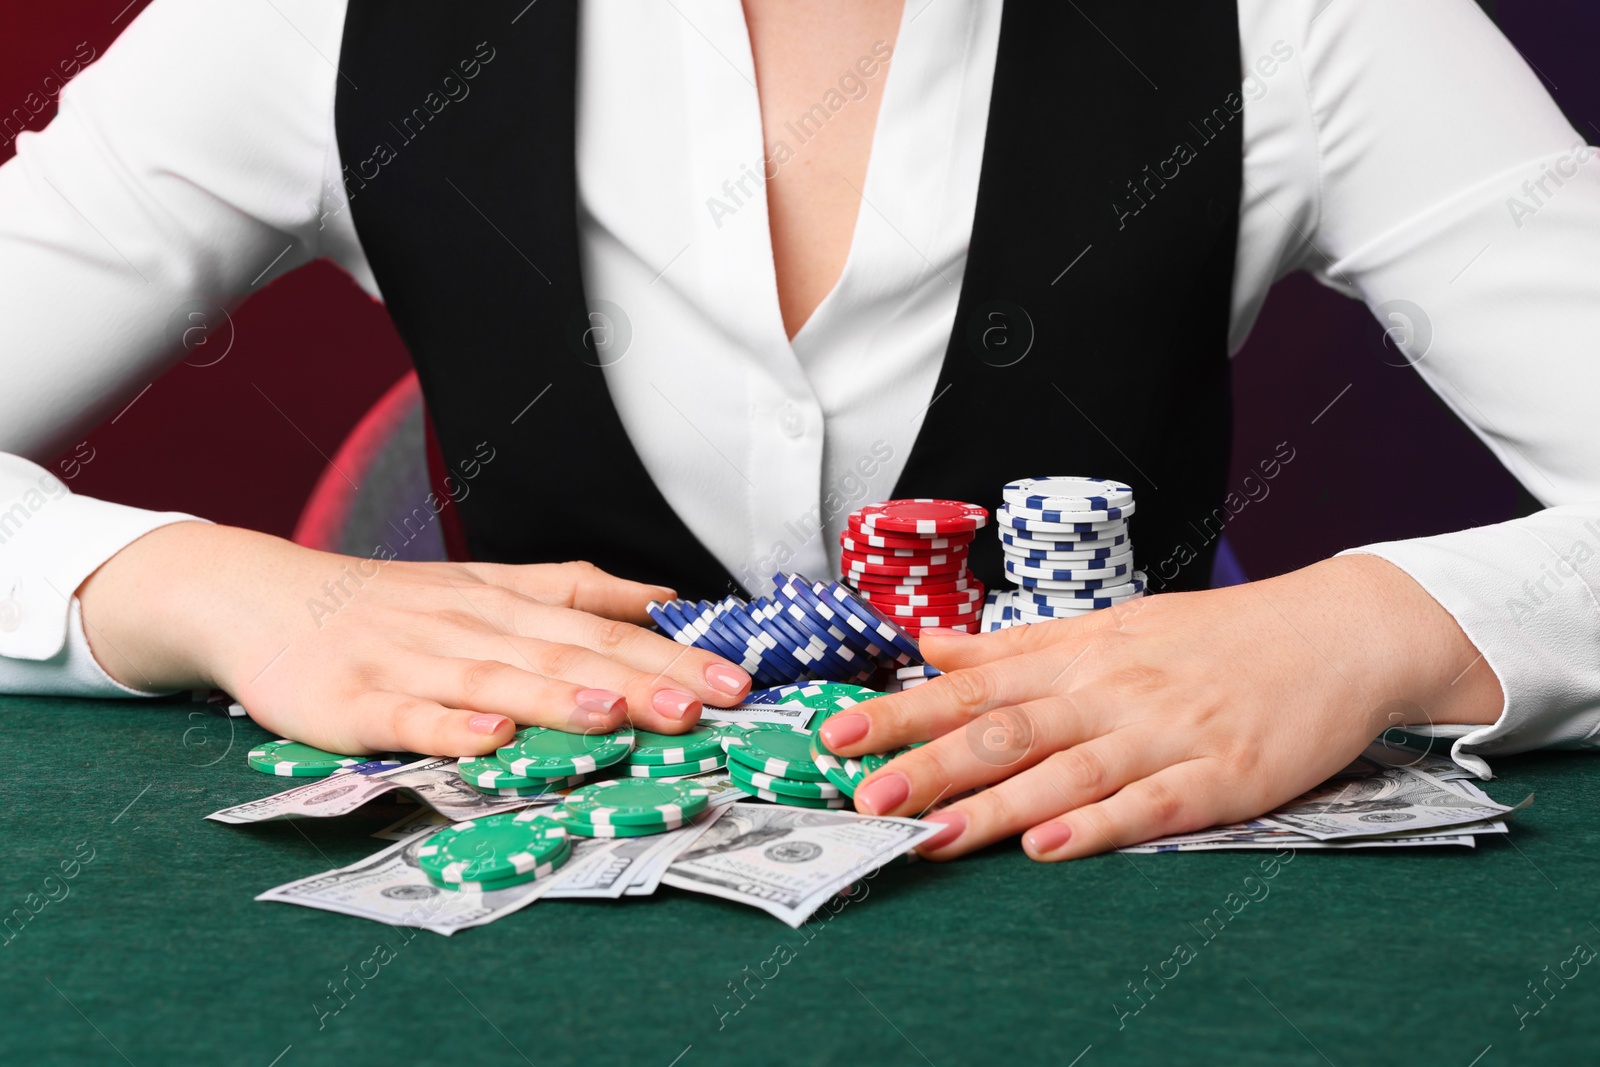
433	780
1394	798
389	887
630	861
421	819
1302	843
796	716
790	861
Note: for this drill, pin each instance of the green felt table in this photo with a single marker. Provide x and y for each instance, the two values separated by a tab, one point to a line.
155	953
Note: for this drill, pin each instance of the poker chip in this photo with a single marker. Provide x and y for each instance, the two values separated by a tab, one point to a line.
858	614
874	544
846	772
585	828
778	751
522	845
920	670
291	759
656	749
883	601
1065	545
789	787
540	752
1066	493
634	802
492	773
922	515
675	770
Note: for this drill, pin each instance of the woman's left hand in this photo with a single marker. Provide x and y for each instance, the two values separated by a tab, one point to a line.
1166	714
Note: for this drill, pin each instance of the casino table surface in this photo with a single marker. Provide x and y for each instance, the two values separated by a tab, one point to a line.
155	953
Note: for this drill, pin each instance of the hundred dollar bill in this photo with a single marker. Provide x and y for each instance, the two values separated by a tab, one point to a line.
389	887
421	819
1304	842
792	715
631	860
1394	798
433	780
790	861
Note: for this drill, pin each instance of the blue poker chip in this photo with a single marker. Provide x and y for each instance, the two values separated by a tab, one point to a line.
1071	543
805	650
810	594
778	663
917	670
715	623
1012	551
1067	493
1029	595
1093	588
1092	577
1019	522
699	624
658	614
803	614
904	649
784	613
676	614
1048	515
776	694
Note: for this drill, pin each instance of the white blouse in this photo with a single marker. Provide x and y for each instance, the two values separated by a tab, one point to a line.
1402	153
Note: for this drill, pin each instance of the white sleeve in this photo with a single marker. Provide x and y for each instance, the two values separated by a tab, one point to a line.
1458	203
189	166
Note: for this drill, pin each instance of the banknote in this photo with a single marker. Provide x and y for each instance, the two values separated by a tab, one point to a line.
1396	798
790	861
388	887
630	861
433	780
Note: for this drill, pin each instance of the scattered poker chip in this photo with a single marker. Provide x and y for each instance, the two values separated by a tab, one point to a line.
491	772
291	759
522	844
584	828
793	802
1067	493
540	752
748	780
635	802
922	515
789	787
802	617
676	770
860	611
778	751
655	749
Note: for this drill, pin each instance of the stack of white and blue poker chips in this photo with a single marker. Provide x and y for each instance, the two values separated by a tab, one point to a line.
1067	549
912	676
805	630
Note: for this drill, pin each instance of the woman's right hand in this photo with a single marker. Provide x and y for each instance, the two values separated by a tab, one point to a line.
363	655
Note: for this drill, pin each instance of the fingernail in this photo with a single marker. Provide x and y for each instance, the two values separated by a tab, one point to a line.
730	680
600	702
842	730
673	704
955	824
942	631
486	724
1042	840
883	794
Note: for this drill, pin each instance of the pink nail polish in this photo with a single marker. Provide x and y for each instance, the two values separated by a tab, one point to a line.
1043	840
882	795
673	704
485	724
955	824
842	730
599	701
728	679
942	631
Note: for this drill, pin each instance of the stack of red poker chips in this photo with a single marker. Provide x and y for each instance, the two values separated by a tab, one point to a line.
908	559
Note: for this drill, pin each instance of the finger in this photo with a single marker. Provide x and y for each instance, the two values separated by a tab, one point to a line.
577	585
1061	782
400	722
940	704
651	700
995	745
697	675
951	650
1177	800
529	697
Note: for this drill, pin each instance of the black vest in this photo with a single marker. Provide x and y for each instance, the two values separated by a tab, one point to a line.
1092	326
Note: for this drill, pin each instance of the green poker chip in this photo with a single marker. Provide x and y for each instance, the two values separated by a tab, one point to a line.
291	759
490	885
491	772
677	770
538	752
585	828
493	848
778	751
829	696
654	750
788	787
846	772
553	787
635	802
778	798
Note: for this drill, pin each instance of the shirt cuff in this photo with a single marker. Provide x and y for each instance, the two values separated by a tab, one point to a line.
1524	592
51	540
